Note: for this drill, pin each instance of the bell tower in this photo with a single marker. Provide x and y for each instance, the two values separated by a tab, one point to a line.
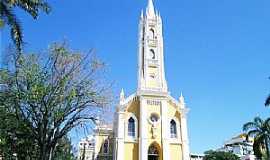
151	75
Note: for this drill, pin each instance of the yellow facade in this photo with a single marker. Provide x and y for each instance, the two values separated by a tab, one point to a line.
176	151
131	149
103	134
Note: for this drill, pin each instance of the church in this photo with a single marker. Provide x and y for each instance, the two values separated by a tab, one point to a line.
149	124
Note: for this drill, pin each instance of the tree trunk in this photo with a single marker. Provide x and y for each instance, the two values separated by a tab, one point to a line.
44	152
267	148
51	154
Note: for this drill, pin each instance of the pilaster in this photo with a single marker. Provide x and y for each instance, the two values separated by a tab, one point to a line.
165	130
120	137
185	142
143	147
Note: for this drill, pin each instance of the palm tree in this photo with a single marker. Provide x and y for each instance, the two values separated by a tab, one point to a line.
267	101
260	131
7	16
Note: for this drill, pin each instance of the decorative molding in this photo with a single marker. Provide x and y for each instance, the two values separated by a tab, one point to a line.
153	92
175	141
153	102
134	140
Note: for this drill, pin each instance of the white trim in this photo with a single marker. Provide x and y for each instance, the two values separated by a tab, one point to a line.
127	137
185	145
165	130
119	147
143	144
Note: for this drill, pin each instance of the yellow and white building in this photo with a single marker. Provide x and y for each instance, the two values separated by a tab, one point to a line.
149	124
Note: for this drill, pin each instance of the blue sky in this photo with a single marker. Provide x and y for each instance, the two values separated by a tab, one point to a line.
216	53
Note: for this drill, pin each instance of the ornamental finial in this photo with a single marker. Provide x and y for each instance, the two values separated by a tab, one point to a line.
150	9
122	95
182	100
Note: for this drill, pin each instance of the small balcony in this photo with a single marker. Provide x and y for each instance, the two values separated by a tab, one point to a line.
152	42
153	62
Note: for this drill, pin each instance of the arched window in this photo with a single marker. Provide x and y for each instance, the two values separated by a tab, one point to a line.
152	33
106	146
173	129
131	127
153	55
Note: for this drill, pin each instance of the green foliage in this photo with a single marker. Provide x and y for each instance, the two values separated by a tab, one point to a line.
1	23
267	101
14	138
259	130
63	150
215	155
7	16
44	98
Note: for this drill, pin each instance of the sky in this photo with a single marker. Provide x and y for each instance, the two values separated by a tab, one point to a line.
216	53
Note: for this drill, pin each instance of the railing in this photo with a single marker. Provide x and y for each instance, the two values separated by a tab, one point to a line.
152	42
152	22
153	62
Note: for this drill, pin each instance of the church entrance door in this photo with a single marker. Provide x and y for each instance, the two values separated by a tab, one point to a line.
152	157
153	153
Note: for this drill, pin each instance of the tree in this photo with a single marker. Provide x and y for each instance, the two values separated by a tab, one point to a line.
64	150
7	16
260	131
217	155
267	101
13	137
50	96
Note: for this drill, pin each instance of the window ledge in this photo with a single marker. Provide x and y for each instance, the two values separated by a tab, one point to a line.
175	141
131	140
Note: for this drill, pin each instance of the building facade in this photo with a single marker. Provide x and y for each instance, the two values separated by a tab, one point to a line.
86	148
196	156
98	146
149	124
240	146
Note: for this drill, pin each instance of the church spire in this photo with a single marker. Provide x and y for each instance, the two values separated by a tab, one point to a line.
151	74
150	9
